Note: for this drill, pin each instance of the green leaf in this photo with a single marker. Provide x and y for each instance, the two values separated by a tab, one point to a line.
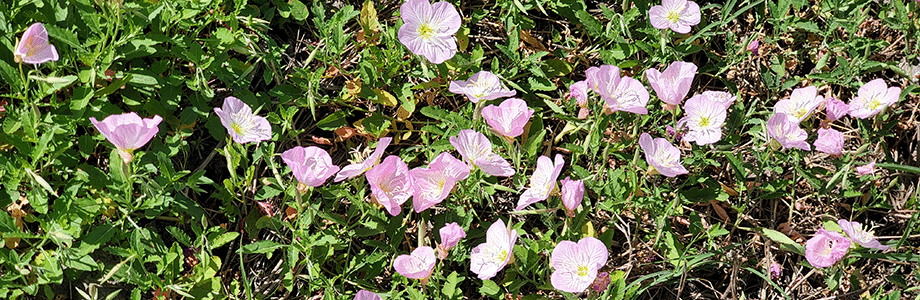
781	238
591	24
223	239
334	121
897	167
450	287
261	247
385	98
489	288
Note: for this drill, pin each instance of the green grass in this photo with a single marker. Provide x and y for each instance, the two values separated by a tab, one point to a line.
182	219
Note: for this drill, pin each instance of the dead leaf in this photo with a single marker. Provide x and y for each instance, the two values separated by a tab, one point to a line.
290	213
720	211
320	140
16	211
533	42
344	133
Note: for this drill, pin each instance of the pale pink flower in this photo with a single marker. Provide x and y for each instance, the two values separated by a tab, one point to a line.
428	29
872	98
826	248
490	257
704	119
542	182
829	141
433	184
476	150
674	133
572	193
673	84
800	104
451	234
724	98
353	170
678	15
620	94
390	183
861	236
579	91
311	165
127	132
481	86
509	117
577	264
241	123
662	155
601	283
866	169
835	109
417	265
787	132
754	47
366	295
34	48
775	271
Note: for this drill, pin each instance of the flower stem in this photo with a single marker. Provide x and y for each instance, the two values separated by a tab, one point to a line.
422	227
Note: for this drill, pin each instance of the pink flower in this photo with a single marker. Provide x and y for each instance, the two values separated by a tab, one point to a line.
127	132
835	109
366	295
433	184
579	91
863	237
476	150
241	123
775	271
577	264
673	84
428	29
866	169
673	133
829	141
34	48
626	93
490	257
704	119
601	283
800	104
787	133
754	47
353	170
417	265
872	98
723	98
661	155
678	15
572	193
390	183
481	86
826	248
311	165
509	117
451	234
542	182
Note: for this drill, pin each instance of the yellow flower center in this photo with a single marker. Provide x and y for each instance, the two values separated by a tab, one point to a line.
874	103
502	255
673	16
704	121
582	271
425	31
237	128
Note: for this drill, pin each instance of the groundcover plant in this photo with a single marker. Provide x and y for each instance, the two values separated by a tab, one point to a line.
510	149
